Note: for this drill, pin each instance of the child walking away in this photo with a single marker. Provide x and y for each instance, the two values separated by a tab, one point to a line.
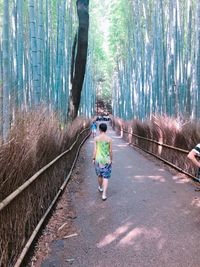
102	158
94	129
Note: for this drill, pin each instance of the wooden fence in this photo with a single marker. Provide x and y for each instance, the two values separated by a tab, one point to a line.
23	212
173	156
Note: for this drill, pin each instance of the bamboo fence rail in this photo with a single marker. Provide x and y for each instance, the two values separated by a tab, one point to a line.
23	212
12	196
38	227
172	156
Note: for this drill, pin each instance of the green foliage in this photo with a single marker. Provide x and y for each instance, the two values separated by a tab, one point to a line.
1	16
108	29
99	44
119	28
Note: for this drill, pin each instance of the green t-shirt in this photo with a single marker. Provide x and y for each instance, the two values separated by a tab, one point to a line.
102	152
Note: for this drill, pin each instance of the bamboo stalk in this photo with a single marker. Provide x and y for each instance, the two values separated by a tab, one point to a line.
6	70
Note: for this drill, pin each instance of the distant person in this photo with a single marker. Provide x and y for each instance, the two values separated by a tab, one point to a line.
94	129
195	152
102	158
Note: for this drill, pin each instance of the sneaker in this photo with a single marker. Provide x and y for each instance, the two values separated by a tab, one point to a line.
100	189
104	197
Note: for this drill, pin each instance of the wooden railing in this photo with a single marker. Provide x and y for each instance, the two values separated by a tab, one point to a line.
23	212
172	156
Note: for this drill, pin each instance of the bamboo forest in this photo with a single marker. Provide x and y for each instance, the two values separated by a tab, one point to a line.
143	56
71	72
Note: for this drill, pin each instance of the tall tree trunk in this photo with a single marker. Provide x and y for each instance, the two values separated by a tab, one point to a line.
78	69
6	70
198	61
47	56
40	50
20	49
1	92
34	52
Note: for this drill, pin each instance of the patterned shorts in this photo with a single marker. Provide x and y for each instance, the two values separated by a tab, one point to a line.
103	170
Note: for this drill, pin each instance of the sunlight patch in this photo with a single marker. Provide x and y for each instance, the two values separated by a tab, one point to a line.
196	202
180	180
161	243
129	167
124	145
139	233
116	137
113	236
152	177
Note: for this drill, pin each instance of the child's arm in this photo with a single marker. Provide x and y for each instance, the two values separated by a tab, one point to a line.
110	151
94	151
192	156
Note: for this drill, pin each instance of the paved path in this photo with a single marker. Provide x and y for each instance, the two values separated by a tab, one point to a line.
151	218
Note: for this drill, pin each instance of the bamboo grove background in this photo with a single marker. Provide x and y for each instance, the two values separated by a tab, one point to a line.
36	39
157	58
143	56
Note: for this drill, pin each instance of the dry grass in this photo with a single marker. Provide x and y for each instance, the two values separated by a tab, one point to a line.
165	130
34	141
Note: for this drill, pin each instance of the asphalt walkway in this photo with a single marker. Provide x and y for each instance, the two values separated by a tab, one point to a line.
151	217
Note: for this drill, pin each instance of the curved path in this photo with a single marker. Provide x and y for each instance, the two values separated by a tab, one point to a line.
151	217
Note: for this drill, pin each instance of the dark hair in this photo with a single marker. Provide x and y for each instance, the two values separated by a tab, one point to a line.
103	127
